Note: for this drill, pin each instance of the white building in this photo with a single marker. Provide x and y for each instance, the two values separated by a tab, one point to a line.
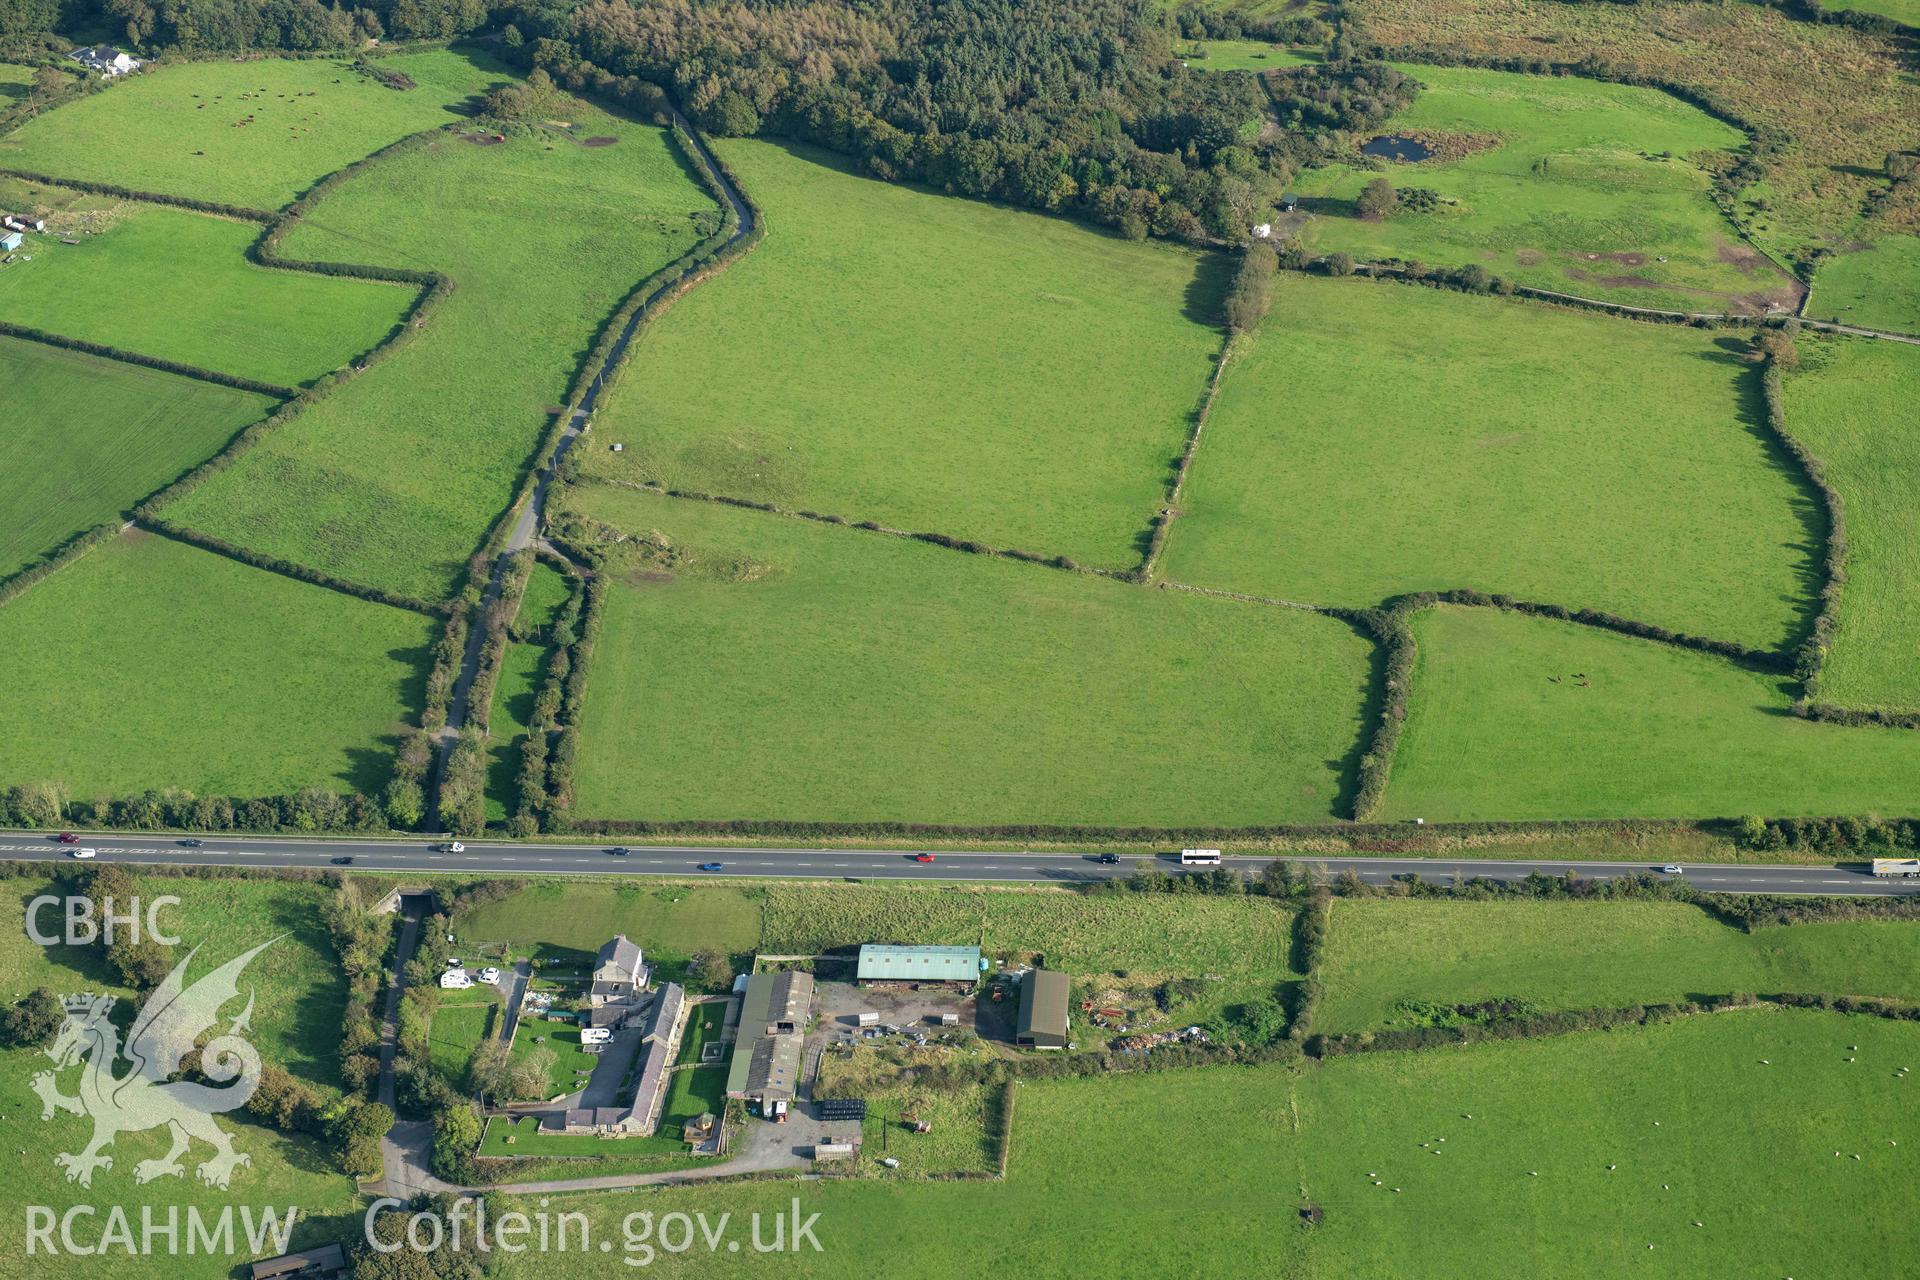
106	60
456	980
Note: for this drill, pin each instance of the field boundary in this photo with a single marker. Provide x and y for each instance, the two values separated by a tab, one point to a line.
1163	520
288	568
105	352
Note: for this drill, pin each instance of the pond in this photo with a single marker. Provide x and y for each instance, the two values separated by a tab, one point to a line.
1394	147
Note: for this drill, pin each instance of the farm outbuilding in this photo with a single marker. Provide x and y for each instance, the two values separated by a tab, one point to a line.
773	1024
883	963
1043	1010
9	241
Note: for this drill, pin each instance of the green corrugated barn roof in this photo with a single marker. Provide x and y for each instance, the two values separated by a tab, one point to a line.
883	963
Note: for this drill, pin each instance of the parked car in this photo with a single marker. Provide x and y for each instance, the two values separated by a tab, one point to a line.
343	861
712	866
1108	859
923	857
67	837
453	962
620	852
490	974
84	853
191	844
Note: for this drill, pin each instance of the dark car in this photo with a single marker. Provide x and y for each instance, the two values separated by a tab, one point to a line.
191	844
1108	859
345	860
621	852
712	866
67	837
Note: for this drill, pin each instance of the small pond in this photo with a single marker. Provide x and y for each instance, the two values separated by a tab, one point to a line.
1394	147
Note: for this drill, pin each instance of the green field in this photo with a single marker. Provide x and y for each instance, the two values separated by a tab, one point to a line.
179	130
1906	11
1498	727
569	1059
1146	932
691	1093
460	1023
175	667
298	996
1549	455
396	478
1753	1164
1577	955
581	915
1696	1128
1239	55
760	667
182	289
89	438
521	674
1576	185
929	363
1878	286
1853	404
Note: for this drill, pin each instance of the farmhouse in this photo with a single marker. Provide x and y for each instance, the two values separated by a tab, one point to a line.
881	963
1042	1022
619	983
106	60
773	1023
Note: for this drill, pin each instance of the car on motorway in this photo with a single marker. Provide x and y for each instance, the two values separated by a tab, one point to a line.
67	837
712	866
1674	869
345	860
451	846
620	852
923	857
85	853
1108	859
191	844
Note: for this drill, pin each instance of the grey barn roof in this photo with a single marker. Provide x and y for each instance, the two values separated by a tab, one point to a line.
1043	1006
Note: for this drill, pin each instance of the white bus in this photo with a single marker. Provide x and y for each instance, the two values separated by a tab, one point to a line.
1199	857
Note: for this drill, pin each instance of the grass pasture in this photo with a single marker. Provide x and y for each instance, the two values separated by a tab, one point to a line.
1550	455
1877	286
1237	937
1576	955
571	1064
758	667
521	672
255	133
1581	186
1844	98
184	291
1497	727
1753	1164
88	438
1664	1151
580	915
179	668
395	478
1852	402
891	305
461	1022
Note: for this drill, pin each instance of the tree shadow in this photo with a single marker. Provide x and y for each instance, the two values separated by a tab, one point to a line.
1347	768
1206	292
1809	567
15	92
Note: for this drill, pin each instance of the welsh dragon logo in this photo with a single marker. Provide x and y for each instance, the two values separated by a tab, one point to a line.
166	1030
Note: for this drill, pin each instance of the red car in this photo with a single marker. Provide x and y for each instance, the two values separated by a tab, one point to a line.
923	857
67	837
